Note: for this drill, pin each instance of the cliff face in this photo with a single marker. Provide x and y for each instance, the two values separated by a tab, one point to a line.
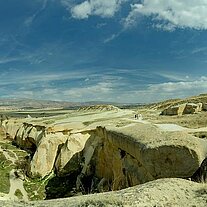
136	154
110	158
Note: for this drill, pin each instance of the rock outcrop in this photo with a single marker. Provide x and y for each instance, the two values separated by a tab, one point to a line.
42	162
123	157
11	127
111	158
99	108
174	110
74	144
192	108
186	108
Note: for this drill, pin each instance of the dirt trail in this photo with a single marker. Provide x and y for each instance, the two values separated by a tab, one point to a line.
169	127
16	183
15	178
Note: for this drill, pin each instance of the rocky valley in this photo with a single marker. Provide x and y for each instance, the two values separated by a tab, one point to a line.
105	156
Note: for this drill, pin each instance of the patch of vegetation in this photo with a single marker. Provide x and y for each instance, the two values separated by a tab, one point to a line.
7	145
35	188
11	148
5	168
61	187
18	193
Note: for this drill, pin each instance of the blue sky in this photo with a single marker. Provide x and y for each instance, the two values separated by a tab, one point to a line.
103	50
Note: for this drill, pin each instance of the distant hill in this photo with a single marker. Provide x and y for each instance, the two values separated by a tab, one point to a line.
26	104
99	108
32	104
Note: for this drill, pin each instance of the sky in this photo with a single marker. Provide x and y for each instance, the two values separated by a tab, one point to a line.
127	51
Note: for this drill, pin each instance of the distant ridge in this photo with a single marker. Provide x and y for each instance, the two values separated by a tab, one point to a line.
24	103
201	98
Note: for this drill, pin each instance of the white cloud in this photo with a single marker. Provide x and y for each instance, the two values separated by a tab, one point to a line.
101	90
170	14
103	8
82	11
179	89
98	91
116	91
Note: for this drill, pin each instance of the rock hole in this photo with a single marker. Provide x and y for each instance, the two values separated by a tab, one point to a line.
122	153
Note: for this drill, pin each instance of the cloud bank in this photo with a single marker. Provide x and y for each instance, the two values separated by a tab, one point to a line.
166	15
171	14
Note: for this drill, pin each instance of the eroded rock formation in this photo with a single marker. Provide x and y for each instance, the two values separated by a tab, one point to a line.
111	158
181	109
136	154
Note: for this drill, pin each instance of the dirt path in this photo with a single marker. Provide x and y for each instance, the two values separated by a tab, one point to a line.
16	183
169	127
15	178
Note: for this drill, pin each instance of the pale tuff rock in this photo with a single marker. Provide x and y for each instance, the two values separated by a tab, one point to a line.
192	108
28	136
112	158
140	153
114	153
162	192
174	110
73	145
186	108
11	127
44	158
